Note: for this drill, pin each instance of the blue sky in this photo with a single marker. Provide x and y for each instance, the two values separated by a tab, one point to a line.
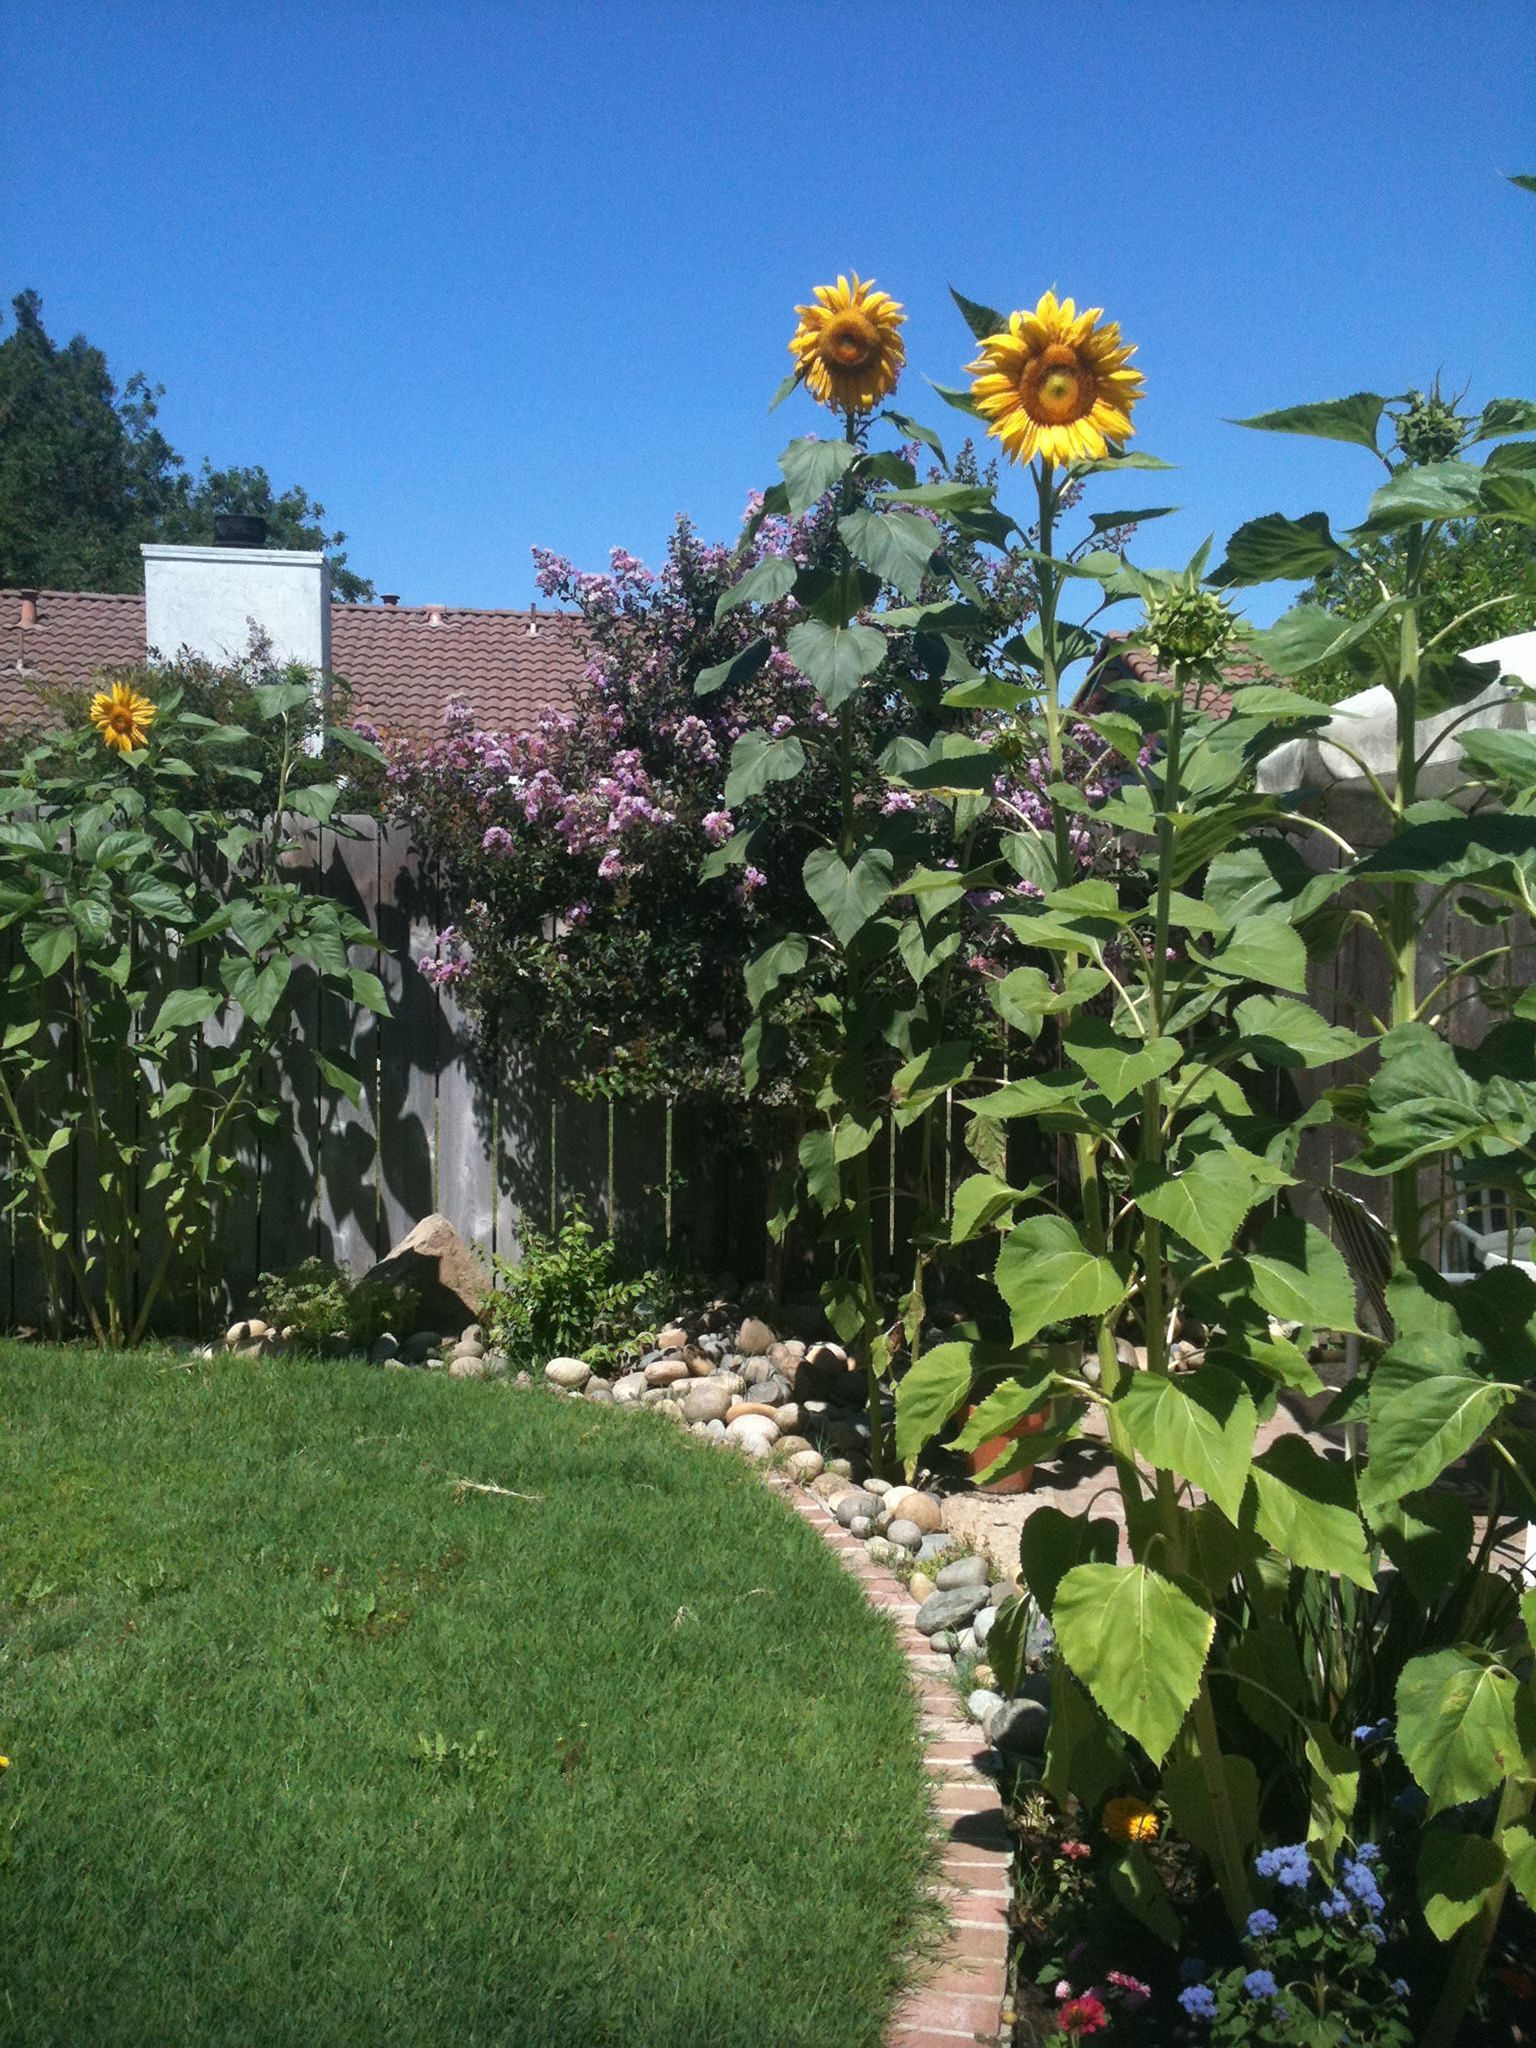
484	276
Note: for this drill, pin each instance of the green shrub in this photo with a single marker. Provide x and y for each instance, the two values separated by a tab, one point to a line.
566	1294
317	1302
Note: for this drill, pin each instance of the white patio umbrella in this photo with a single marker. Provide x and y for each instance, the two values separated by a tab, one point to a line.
1367	723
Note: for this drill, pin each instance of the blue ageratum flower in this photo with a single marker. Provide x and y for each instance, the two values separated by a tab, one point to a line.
1261	1924
1260	1984
1335	1907
1199	2001
1373	1731
1400	1987
1288	1866
1359	1880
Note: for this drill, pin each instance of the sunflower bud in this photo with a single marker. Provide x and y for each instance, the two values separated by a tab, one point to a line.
1430	430
1189	626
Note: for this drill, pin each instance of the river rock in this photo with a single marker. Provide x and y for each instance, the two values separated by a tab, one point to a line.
672	1338
497	1364
600	1391
444	1276
417	1349
1019	1727
568	1372
805	1466
981	1627
754	1339
925	1511
384	1348
966	1572
754	1434
739	1408
466	1365
706	1401
921	1587
666	1372
933	1548
949	1607
857	1502
982	1702
825	1374
785	1356
628	1388
906	1535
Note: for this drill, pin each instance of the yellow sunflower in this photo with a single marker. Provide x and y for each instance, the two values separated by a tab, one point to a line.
1131	1820
848	347
122	717
1054	383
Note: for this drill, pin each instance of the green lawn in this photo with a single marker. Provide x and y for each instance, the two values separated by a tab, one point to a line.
678	1802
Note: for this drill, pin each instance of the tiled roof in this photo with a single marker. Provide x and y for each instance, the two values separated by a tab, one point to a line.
403	662
1137	664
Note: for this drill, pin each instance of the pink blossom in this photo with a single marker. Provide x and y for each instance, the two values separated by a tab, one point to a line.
611	866
718	827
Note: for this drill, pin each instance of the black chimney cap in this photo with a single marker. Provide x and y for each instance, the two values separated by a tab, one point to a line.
239	530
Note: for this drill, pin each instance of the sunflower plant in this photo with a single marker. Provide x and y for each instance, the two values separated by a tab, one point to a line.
156	941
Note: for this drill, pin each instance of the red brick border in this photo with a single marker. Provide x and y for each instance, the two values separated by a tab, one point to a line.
961	1996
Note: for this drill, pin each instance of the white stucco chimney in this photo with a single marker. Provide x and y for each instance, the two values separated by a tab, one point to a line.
211	600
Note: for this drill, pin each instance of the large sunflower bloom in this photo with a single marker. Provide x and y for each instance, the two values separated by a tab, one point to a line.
122	717
1054	383
848	348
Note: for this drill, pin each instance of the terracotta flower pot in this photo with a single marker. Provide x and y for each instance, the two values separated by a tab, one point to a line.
1031	1363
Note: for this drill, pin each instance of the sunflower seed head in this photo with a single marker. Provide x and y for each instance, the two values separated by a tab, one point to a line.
1189	626
1431	430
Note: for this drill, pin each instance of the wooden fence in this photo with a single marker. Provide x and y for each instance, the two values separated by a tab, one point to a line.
492	1135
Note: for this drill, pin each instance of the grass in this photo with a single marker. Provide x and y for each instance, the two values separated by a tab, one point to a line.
310	1746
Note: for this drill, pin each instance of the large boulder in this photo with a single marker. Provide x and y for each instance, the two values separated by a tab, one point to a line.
444	1275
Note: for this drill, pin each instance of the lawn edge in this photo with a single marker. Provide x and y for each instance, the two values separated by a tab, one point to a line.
961	1994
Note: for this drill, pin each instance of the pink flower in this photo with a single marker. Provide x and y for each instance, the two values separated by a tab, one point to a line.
718	827
610	867
497	840
1075	1852
1137	1994
579	914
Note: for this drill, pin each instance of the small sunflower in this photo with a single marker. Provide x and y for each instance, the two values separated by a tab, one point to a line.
1054	383
848	347
122	717
1128	1819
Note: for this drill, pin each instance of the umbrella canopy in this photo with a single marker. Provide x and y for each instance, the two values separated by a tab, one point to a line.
1367	724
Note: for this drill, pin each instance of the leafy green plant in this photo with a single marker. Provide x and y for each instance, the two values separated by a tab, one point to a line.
159	940
316	1303
566	1293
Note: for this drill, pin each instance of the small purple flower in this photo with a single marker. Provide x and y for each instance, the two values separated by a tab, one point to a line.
1260	1984
497	840
718	827
1288	1866
1373	1731
1400	1987
1261	1924
579	914
610	867
1199	2001
1335	1907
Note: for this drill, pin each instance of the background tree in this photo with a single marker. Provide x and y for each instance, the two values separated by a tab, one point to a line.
86	474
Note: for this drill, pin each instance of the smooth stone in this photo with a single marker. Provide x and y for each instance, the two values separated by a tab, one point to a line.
905	1533
248	1332
999	1591
1019	1727
497	1365
775	1390
882	1487
444	1273
628	1389
754	1434
921	1587
472	1334
418	1349
700	1364
805	1466
666	1372
754	1338
982	1702
464	1349
672	1339
981	1627
945	1639
934	1547
384	1348
787	1415
824	1374
784	1357
949	1607
861	1526
927	1512
600	1391
965	1643
985	1675
466	1365
732	1382
843	1467
706	1402
857	1502
883	1552
713	1346
829	1486
789	1442
739	1408
567	1372
846	1439
966	1572
655	1397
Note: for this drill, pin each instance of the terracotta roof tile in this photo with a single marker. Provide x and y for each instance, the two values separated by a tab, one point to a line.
403	662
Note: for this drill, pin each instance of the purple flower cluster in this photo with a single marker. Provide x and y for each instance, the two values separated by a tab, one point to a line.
1290	1867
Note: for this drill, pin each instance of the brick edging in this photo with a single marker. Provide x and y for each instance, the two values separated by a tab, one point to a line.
962	1993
